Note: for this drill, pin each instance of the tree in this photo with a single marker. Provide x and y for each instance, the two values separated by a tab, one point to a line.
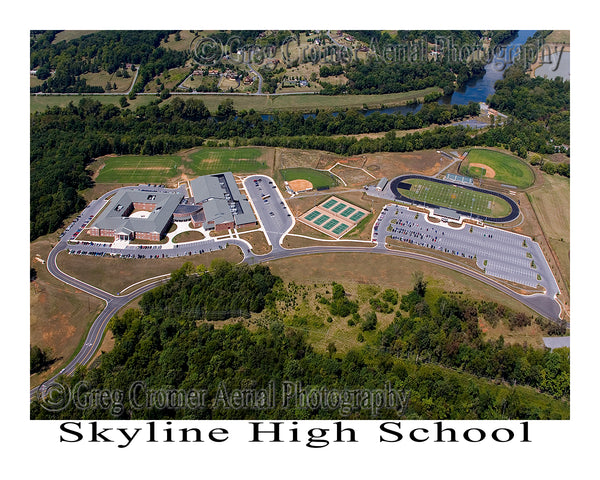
226	109
419	284
370	321
331	349
32	274
123	102
38	359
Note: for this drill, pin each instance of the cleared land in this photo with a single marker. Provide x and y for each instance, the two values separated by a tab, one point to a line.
551	203
39	103
100	79
390	272
68	35
508	169
59	314
456	197
124	272
310	102
317	178
139	169
207	160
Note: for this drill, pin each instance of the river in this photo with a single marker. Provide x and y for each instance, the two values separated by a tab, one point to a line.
476	89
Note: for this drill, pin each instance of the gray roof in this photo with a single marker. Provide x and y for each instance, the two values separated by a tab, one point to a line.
382	183
212	191
446	212
112	218
206	187
557	342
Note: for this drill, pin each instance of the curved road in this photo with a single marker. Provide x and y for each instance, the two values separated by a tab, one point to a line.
543	304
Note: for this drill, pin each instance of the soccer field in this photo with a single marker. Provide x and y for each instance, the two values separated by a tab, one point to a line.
139	169
216	160
457	198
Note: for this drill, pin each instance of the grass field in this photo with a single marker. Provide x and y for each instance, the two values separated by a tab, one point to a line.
38	103
261	104
456	197
139	169
189	236
215	160
551	203
316	177
59	315
124	272
508	169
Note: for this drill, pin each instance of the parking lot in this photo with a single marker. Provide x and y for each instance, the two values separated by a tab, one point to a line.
271	208
498	253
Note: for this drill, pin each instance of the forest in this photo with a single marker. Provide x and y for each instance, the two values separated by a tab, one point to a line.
433	350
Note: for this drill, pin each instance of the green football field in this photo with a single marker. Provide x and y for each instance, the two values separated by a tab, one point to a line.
316	177
456	197
139	169
508	169
216	160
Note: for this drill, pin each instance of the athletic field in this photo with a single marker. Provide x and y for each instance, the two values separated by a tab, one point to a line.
456	197
216	160
318	178
506	169
334	216
139	169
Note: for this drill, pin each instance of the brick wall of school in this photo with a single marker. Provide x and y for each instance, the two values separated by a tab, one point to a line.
148	207
147	236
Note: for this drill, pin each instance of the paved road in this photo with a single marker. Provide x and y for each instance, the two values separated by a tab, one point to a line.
275	226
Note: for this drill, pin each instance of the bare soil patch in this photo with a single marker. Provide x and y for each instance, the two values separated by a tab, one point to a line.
300	185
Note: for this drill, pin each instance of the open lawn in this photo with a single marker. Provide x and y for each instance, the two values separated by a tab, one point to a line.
506	168
115	274
237	160
316	177
551	203
100	79
189	236
456	197
68	35
311	102
59	315
389	272
139	169
170	79
38	103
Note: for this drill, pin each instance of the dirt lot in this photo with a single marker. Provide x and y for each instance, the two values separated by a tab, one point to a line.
353	176
388	164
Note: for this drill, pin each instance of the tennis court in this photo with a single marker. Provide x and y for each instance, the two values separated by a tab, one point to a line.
334	217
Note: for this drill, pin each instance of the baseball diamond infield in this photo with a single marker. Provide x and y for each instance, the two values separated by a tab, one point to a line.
300	185
396	191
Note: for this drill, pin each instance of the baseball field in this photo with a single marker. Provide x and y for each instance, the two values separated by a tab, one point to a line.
506	169
318	178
